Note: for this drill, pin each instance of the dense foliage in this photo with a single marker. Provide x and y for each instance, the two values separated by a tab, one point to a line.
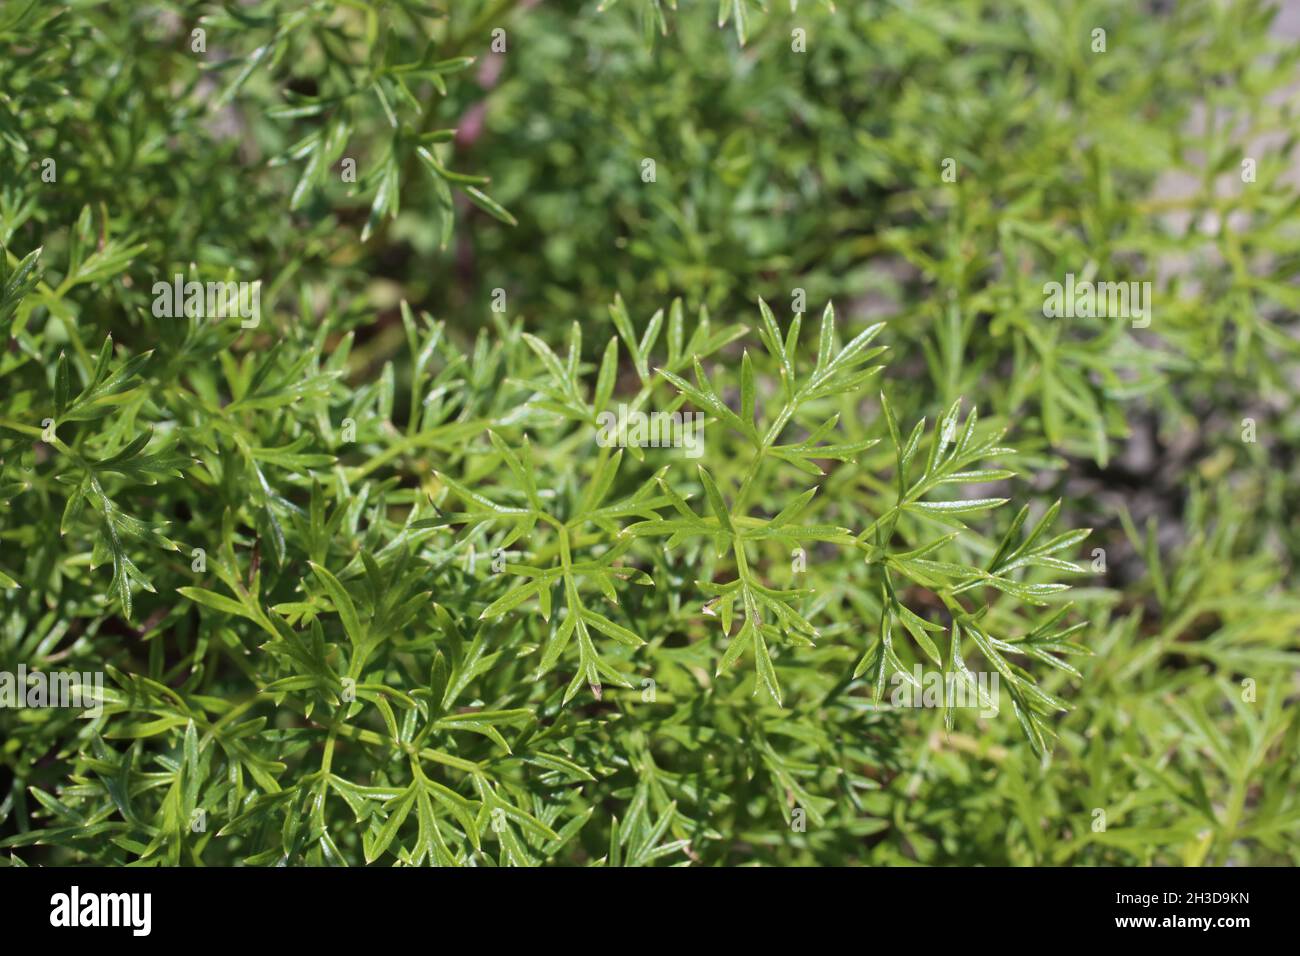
371	576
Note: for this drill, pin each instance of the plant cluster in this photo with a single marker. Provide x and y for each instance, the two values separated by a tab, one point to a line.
368	587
